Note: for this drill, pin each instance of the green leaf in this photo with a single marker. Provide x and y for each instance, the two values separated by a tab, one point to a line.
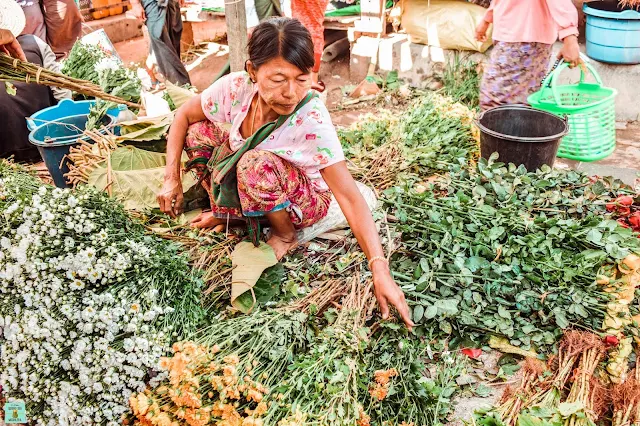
418	313
430	312
10	88
503	312
496	232
135	177
483	391
527	420
145	130
561	319
447	307
178	95
479	191
475	263
567	409
594	236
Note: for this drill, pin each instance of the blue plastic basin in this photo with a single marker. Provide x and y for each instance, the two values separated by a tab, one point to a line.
613	34
56	138
66	108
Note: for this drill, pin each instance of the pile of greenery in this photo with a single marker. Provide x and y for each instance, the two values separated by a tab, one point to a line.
89	62
499	250
434	136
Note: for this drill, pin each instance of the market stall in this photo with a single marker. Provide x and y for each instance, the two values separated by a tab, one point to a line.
113	313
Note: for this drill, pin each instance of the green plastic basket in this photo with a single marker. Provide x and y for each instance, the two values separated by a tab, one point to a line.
590	111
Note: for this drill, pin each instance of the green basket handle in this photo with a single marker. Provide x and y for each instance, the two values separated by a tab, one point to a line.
553	79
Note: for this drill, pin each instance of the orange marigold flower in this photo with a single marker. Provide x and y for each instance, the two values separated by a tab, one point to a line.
363	418
383	377
254	395
378	392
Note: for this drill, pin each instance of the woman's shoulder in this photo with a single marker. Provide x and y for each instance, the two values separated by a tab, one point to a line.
315	110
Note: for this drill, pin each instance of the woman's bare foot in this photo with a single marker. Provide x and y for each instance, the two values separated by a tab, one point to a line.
207	220
281	245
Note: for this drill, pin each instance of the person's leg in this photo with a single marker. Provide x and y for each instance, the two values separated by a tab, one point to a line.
201	138
160	21
273	188
64	25
514	72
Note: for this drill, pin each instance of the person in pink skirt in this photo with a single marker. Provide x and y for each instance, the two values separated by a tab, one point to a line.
524	32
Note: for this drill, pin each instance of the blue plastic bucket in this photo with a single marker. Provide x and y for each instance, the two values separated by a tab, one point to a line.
66	108
613	34
54	140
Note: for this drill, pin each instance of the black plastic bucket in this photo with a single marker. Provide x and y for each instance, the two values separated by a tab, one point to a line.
521	135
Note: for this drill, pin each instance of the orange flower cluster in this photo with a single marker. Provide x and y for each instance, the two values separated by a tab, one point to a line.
380	388
363	419
202	389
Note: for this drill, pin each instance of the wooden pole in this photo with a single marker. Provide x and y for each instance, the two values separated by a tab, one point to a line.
236	18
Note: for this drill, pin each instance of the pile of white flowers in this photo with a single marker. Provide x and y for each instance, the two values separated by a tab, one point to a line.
82	322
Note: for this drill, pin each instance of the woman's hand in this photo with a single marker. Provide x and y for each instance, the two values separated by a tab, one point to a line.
388	293
10	46
171	197
481	31
570	51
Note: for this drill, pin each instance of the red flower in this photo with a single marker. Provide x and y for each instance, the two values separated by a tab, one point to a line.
624	211
634	220
311	136
611	206
472	353
625	200
623	223
611	341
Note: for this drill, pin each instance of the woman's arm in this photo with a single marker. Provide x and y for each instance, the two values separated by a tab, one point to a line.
357	212
170	197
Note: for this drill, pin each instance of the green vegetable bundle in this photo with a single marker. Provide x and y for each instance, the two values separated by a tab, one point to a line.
507	252
89	62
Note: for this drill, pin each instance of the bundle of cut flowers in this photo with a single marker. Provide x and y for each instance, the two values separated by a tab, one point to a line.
88	302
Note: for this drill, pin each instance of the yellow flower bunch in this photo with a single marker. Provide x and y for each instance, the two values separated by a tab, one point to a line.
202	389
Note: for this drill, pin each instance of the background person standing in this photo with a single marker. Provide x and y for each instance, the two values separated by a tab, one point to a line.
524	32
311	14
164	24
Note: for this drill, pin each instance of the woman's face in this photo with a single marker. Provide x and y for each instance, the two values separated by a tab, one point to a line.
281	84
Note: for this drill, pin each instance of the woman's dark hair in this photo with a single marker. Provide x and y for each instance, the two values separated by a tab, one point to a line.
283	37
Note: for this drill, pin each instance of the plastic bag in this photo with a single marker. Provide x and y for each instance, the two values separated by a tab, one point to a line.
448	24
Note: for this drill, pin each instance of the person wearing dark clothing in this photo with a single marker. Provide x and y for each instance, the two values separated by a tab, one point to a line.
164	23
28	99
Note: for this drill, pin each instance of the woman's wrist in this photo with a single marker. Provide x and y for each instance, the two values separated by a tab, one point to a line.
379	267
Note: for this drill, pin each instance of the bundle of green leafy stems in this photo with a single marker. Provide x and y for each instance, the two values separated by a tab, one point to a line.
484	259
434	136
422	392
461	81
82	63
